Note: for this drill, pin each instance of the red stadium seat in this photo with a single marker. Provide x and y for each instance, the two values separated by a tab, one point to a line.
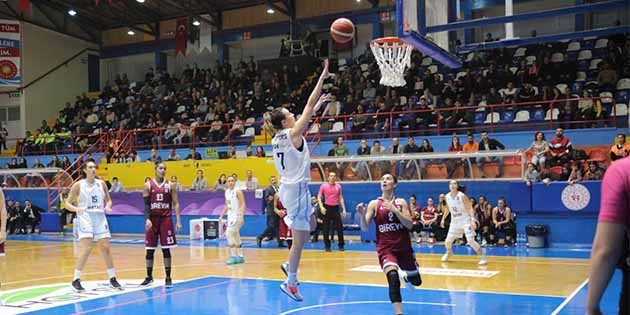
597	156
556	170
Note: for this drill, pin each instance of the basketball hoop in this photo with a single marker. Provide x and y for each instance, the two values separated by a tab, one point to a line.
393	56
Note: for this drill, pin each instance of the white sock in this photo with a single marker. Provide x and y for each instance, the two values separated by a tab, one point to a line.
240	251
232	251
77	274
111	273
292	278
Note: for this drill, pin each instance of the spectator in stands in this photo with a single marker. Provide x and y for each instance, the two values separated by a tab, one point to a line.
471	146
232	152
453	163
260	151
271	231
594	172
154	157
333	107
429	219
359	120
341	150
620	149
193	155
489	144
23	163
539	149
252	182
199	184
416	213
576	173
560	148
361	167
117	186
502	221
239	183
249	151
607	77
221	183
172	155
178	186
38	164
531	174
408	165
394	148
65	163
377	149
55	162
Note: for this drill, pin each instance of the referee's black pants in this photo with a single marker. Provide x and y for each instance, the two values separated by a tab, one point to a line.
332	217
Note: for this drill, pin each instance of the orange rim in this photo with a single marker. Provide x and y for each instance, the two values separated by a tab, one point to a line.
388	40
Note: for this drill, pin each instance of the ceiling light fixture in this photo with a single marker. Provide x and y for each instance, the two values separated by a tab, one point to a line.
271	11
131	33
72	12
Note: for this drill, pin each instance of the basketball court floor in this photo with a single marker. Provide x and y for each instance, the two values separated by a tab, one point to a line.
37	271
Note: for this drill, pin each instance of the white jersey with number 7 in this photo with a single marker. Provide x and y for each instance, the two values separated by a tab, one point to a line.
292	165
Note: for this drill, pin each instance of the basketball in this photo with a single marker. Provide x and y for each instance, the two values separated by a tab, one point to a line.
342	30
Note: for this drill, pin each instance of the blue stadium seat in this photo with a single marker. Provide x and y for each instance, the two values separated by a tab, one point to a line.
480	117
623	96
538	115
508	117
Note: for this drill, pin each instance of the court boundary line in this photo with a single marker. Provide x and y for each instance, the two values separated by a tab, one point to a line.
362	302
569	298
162	295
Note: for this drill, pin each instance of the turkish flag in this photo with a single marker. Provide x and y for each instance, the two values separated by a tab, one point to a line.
181	36
24	6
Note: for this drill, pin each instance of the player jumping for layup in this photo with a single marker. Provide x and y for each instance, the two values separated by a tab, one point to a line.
293	163
160	198
462	222
92	204
235	208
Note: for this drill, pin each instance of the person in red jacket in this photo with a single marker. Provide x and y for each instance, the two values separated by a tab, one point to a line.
560	148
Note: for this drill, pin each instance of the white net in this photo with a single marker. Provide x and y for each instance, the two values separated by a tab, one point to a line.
393	57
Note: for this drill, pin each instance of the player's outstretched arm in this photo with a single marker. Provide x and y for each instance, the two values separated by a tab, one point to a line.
241	201
312	105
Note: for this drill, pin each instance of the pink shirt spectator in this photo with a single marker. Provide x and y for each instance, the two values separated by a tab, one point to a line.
331	193
615	206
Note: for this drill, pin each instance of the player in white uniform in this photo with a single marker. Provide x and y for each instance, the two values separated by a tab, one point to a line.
293	163
235	208
462	222
90	199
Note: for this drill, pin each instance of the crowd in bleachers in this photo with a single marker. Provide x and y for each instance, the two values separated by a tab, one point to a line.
206	99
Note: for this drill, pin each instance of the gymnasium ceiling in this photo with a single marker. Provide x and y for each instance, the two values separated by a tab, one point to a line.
91	19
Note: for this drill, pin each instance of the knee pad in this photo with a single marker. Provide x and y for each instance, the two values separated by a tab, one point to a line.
166	252
150	253
394	286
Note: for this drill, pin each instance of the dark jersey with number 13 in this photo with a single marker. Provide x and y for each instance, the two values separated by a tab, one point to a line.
161	198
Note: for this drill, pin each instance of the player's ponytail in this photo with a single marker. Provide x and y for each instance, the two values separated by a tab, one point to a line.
272	121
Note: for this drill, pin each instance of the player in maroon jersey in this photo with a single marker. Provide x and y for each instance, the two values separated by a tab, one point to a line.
393	244
285	233
160	198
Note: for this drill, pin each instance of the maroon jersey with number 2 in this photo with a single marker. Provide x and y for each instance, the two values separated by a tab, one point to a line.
161	198
393	244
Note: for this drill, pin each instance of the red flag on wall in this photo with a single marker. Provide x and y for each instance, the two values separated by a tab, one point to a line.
24	6
181	36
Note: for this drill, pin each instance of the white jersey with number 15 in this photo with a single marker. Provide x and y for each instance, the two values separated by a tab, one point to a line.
292	165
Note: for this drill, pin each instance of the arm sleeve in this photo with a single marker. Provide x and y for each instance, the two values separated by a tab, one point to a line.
147	206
